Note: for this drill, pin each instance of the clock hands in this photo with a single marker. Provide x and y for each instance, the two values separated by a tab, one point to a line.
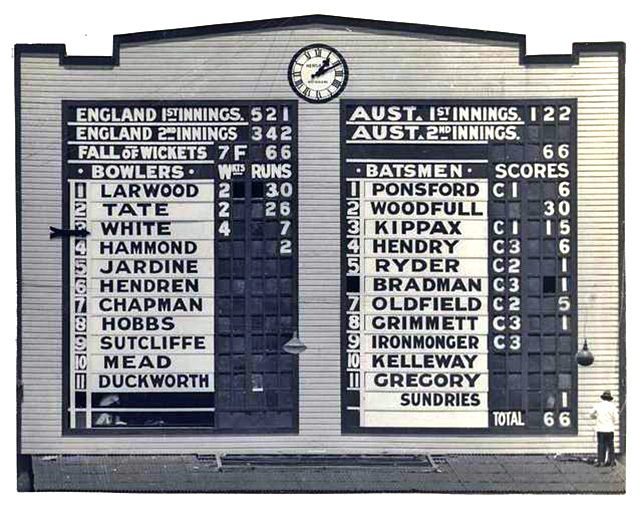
322	71
324	68
319	72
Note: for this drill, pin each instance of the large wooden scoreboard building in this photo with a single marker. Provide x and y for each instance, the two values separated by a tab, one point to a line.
318	235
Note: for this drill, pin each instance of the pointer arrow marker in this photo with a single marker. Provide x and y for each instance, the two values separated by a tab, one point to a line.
66	232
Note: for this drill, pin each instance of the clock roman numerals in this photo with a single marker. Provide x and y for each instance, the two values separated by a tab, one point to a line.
318	73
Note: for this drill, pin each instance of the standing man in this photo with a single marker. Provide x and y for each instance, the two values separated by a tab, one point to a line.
606	415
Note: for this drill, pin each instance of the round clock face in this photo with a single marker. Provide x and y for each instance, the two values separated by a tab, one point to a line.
318	73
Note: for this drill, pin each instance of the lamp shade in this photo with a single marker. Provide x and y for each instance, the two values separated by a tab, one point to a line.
294	345
584	356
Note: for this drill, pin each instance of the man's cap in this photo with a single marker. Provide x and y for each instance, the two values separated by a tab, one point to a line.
606	396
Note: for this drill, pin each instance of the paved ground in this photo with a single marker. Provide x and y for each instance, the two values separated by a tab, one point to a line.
445	473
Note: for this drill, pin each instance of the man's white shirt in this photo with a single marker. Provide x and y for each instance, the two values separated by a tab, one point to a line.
606	416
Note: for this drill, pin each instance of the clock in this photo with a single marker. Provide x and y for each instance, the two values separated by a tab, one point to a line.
318	73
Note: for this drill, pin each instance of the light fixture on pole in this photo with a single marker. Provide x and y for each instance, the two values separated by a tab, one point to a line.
584	357
294	345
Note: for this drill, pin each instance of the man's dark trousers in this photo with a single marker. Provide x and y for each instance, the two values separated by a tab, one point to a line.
606	453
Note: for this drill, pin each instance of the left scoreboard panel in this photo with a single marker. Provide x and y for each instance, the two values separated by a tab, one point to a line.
178	301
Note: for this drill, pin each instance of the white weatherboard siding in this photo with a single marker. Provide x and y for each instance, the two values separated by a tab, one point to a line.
254	66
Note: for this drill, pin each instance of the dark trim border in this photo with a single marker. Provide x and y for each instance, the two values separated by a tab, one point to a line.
622	288
24	470
321	19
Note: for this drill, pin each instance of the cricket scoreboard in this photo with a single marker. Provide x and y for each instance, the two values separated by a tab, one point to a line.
313	238
319	235
181	296
459	262
458	279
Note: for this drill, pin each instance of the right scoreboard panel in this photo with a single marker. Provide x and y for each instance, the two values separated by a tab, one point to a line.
459	266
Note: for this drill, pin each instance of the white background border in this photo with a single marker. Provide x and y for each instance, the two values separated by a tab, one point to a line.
87	28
